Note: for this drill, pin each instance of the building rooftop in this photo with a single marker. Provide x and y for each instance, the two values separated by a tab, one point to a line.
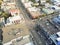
14	11
47	11
34	12
20	41
27	4
14	31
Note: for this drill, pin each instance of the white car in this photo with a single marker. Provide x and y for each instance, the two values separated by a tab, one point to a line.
58	33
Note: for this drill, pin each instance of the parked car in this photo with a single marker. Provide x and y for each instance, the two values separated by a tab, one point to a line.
56	20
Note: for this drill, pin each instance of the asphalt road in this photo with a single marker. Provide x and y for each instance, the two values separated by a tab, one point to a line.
28	20
38	40
49	28
23	10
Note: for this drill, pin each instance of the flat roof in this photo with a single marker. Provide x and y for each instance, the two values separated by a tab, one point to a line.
21	42
14	10
34	14
14	31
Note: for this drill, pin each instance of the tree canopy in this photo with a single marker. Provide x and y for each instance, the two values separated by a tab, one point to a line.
4	14
33	1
